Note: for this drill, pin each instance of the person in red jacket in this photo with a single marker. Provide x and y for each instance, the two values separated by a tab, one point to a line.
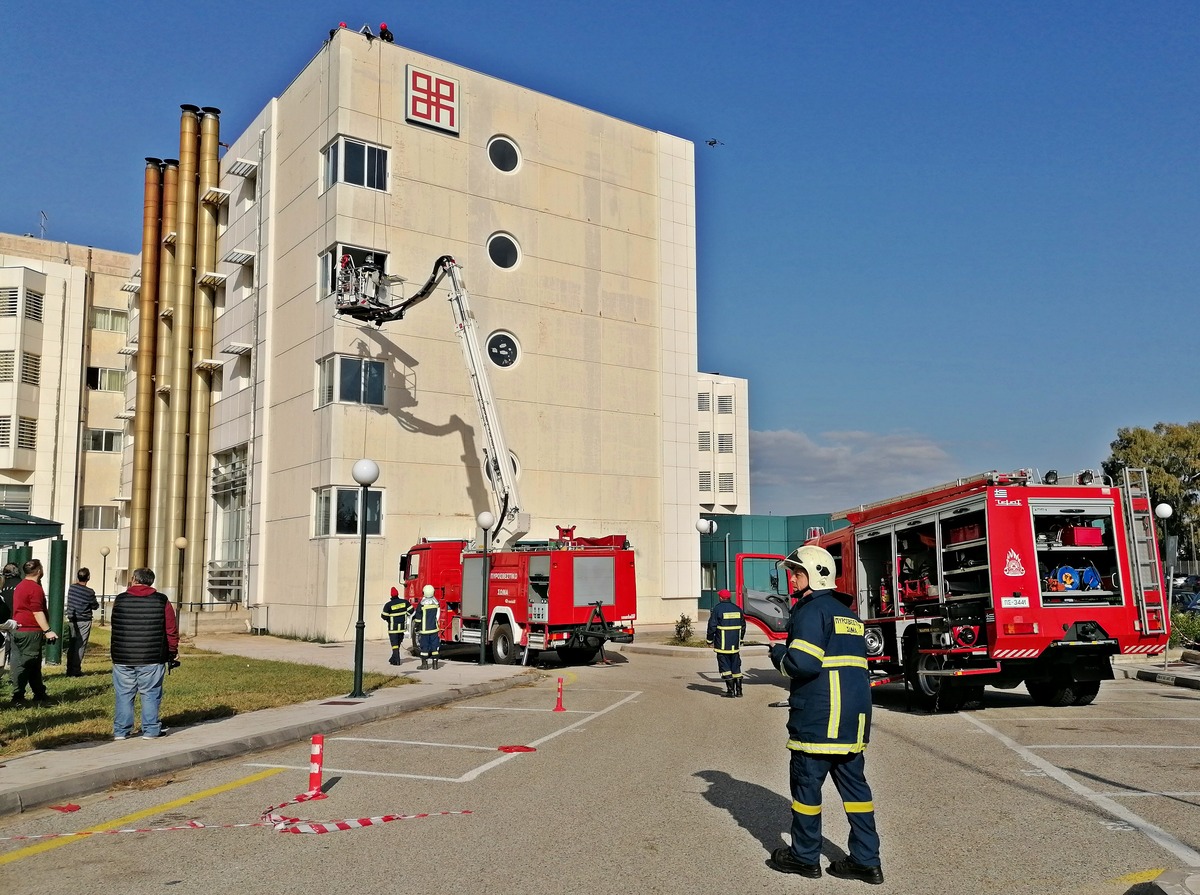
33	630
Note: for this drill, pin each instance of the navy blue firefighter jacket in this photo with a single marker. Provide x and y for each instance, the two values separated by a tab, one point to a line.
726	627
826	659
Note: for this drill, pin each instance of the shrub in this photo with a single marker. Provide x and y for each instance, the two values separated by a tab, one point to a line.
1185	628
683	629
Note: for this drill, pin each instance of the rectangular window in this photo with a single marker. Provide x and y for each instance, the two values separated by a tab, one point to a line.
98	518
110	320
357	163
724	444
105	379
705	481
704	402
331	262
31	369
8	301
106	440
725	482
27	433
5	431
724	403
706	441
16	497
8	366
33	305
337	512
352	379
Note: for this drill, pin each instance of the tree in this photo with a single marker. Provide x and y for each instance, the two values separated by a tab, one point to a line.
1170	454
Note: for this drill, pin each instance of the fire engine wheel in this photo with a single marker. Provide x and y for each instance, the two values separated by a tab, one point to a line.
927	688
1057	693
577	655
504	652
1085	692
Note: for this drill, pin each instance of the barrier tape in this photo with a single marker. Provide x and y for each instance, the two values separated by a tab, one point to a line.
269	818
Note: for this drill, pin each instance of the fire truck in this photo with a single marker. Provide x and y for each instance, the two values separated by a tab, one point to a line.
997	579
569	594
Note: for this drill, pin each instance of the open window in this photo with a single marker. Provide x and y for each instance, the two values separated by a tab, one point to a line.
1076	551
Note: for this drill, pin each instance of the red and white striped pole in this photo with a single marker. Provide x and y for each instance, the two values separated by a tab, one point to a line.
316	761
559	706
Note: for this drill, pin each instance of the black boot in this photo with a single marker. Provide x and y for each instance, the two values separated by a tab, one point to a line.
729	691
424	665
737	687
435	663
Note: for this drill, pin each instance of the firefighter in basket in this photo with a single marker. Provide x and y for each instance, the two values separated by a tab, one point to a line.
395	613
428	640
829	720
726	630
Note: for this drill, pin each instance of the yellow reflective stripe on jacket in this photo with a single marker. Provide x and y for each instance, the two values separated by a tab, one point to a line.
805	647
844	662
857	807
810	810
826	748
835	704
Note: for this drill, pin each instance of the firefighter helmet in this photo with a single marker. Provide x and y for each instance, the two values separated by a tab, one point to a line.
427	590
817	563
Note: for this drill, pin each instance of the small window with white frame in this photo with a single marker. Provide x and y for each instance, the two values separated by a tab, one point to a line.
106	441
105	379
349	380
99	518
355	162
112	320
336	512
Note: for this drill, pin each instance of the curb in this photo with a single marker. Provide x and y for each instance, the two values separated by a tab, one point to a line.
665	649
21	799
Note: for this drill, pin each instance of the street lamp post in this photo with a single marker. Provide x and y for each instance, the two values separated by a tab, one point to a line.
104	551
365	472
485	521
707	527
1163	511
181	546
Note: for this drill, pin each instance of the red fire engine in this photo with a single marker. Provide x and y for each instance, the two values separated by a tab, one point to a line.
1000	579
570	594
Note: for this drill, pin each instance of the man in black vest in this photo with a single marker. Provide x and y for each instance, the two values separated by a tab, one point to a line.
145	637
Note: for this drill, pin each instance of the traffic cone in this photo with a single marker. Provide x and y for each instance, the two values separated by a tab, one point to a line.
559	706
315	764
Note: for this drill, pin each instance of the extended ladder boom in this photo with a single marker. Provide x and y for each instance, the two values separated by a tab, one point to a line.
512	523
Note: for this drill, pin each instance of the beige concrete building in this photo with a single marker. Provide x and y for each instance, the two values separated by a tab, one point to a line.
576	234
723	444
63	328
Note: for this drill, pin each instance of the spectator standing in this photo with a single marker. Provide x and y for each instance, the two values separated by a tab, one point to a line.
829	720
33	631
429	642
395	613
81	601
145	638
726	630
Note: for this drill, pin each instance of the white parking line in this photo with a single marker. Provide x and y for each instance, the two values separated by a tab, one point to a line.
469	775
500	708
1156	834
413	743
1077	718
1108	746
1128	793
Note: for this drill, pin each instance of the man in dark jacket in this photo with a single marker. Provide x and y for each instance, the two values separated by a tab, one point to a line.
145	637
395	613
12	577
829	720
81	600
726	630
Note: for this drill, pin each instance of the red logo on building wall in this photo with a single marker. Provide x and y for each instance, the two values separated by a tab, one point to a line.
431	99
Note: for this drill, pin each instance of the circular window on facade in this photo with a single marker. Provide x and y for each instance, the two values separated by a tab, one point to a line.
503	251
503	349
503	154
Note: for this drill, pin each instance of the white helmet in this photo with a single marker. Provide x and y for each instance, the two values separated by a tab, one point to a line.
817	563
427	591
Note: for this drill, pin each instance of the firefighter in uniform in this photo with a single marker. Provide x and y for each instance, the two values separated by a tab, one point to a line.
829	720
428	641
395	613
726	629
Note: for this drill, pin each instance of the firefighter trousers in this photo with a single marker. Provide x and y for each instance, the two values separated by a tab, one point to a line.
428	645
730	666
808	773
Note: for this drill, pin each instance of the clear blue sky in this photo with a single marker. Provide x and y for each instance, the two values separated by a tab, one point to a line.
939	238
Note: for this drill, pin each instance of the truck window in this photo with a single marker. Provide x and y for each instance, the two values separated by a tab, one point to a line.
410	566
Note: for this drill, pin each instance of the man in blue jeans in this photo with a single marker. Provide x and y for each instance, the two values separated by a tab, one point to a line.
145	638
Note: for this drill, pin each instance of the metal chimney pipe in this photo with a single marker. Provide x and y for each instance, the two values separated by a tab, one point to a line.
143	414
181	341
202	344
160	462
